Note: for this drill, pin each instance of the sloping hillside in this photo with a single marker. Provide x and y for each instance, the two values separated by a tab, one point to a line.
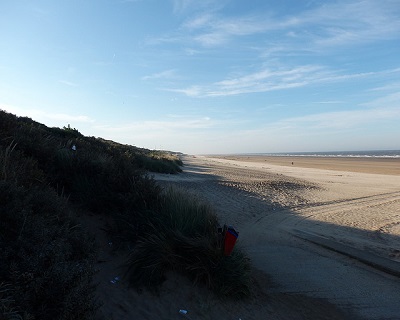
47	257
46	175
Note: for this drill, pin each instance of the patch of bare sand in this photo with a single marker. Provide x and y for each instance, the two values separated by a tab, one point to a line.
359	209
118	301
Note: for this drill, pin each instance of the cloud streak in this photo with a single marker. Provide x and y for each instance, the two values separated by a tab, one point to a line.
339	23
260	81
267	80
166	74
329	26
173	124
185	6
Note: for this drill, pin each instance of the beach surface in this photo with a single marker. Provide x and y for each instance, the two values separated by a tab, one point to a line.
388	166
270	201
352	200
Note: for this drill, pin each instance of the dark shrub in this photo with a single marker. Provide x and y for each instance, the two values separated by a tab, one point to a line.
182	236
45	258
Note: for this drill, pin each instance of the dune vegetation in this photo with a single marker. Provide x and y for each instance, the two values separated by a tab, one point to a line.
47	257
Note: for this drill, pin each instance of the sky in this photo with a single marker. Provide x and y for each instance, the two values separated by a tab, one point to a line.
209	76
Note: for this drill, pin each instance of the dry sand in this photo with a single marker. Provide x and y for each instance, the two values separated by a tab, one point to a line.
389	166
266	199
334	197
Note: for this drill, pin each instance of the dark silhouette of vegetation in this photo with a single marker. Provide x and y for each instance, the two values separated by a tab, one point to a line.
47	258
72	131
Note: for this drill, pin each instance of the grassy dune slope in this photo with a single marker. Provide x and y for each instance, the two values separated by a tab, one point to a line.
47	258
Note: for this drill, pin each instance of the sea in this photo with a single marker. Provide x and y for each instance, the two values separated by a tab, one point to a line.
338	154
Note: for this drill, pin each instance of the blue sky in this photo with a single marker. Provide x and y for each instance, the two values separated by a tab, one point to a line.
210	76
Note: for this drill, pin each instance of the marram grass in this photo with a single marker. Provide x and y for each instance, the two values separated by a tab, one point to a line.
183	238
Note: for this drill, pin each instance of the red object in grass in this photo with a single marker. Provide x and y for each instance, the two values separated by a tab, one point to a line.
230	239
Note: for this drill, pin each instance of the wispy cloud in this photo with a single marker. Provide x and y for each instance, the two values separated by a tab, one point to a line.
192	91
359	21
172	124
267	80
189	51
394	86
166	74
260	81
181	5
389	100
212	39
329	102
215	30
185	6
327	25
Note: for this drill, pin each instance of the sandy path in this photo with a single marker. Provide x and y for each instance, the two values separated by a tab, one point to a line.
266	202
120	302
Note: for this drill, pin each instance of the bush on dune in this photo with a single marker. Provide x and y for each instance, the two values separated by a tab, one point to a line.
46	258
99	176
182	237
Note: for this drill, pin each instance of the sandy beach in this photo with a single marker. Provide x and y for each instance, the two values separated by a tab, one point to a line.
355	202
388	166
333	197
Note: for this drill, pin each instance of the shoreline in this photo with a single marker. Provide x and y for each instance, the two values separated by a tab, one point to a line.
386	166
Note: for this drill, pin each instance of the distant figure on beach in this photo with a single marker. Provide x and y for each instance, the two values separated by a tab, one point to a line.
292	163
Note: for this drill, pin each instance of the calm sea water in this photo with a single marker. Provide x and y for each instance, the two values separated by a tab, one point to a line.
356	154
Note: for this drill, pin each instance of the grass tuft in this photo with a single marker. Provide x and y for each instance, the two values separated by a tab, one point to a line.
183	237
